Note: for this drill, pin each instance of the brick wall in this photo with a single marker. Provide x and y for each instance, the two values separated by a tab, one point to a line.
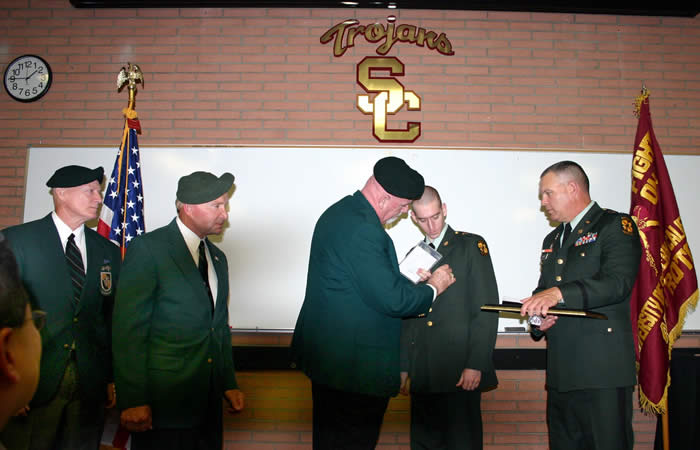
261	76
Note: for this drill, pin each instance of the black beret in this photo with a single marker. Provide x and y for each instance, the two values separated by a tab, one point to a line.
71	176
398	179
202	187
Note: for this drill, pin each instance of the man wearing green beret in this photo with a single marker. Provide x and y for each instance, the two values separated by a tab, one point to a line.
347	335
70	272
173	363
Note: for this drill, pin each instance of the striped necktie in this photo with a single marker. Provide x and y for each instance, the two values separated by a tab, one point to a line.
75	267
204	271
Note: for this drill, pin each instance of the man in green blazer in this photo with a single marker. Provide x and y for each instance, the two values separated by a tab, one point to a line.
347	335
173	362
67	410
590	262
447	353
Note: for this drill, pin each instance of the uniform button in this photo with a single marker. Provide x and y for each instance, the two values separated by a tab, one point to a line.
583	253
75	320
430	323
421	315
66	345
560	261
430	310
558	278
609	330
209	360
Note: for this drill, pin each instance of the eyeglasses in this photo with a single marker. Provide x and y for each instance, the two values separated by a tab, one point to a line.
39	318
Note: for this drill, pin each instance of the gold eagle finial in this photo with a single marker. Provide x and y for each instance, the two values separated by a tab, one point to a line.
131	74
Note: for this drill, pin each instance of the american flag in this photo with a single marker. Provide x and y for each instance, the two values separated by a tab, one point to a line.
121	218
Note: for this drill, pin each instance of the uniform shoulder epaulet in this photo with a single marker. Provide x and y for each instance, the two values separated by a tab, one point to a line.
462	233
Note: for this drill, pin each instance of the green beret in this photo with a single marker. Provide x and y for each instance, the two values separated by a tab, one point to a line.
398	179
202	187
71	176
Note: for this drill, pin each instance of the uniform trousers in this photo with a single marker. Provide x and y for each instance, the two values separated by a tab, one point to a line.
590	419
207	435
64	423
446	421
346	420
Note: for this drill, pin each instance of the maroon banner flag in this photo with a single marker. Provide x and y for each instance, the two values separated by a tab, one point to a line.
667	284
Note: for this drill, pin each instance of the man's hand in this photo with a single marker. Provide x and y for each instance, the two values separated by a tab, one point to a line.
441	278
404	383
539	304
111	396
22	411
470	379
235	399
548	322
138	418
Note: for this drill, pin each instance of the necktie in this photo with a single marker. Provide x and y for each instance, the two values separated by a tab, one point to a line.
204	271
432	245
75	267
567	232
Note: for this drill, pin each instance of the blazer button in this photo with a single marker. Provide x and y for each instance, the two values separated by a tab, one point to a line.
430	323
560	261
558	278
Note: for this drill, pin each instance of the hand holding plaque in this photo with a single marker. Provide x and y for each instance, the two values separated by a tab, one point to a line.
419	257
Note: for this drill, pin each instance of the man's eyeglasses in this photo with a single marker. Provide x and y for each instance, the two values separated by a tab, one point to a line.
39	318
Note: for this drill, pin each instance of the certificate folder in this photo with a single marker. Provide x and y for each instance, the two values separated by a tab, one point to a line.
515	308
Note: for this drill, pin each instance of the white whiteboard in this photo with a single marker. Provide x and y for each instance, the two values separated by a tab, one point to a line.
281	192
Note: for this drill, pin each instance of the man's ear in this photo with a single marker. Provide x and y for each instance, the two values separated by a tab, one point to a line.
413	216
8	361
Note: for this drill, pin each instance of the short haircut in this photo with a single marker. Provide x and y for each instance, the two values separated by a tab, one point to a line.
430	194
13	297
573	170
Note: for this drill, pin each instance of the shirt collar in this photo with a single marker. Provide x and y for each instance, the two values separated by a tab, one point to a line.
436	242
191	239
64	231
580	215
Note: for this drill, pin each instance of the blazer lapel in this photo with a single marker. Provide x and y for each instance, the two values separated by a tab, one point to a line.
221	275
183	260
57	259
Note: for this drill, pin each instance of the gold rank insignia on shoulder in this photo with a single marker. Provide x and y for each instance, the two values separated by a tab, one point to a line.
627	227
483	248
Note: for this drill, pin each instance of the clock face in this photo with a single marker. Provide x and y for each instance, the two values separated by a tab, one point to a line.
27	78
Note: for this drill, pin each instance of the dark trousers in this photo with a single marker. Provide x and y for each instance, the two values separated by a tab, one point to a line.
208	435
346	420
446	421
590	419
65	423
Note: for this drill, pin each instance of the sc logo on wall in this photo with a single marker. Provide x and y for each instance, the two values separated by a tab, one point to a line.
385	94
389	99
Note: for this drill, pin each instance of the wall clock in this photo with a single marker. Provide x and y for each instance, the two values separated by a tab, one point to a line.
27	78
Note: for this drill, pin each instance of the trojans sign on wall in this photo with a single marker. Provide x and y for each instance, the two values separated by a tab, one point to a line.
389	94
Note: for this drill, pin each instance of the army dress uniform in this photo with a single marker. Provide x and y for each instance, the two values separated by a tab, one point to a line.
454	335
591	360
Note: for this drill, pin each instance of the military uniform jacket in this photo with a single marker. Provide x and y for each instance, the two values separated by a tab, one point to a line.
347	335
595	269
167	345
45	274
455	334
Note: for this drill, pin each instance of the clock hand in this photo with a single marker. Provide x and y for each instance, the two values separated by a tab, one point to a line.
27	78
